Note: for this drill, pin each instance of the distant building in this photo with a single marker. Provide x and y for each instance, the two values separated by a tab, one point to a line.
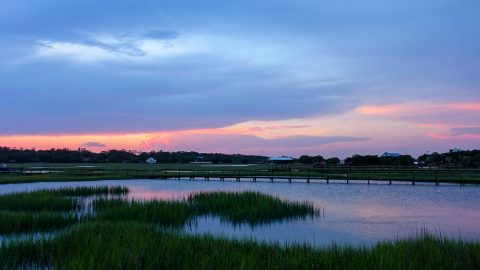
456	150
283	163
388	154
151	161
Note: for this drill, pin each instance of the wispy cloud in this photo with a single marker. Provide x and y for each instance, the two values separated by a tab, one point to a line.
263	70
94	145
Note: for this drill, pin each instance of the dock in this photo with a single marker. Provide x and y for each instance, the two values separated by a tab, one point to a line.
400	176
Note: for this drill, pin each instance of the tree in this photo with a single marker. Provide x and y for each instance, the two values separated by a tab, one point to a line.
332	161
304	159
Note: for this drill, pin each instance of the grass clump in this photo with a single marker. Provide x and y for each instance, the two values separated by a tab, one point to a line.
47	209
139	246
236	207
19	222
248	206
37	201
90	191
54	199
165	213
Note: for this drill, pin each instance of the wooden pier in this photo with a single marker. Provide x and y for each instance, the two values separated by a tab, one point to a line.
324	180
411	177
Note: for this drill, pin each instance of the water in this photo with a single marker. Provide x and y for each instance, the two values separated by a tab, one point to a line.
354	214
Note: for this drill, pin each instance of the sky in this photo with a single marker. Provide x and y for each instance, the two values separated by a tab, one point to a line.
266	77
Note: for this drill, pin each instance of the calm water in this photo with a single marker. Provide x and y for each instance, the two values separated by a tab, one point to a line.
354	214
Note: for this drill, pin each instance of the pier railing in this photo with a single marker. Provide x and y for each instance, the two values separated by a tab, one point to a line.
348	174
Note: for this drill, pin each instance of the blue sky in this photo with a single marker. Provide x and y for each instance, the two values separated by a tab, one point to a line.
102	68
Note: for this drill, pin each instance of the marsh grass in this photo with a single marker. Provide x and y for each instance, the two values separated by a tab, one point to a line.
165	213
140	246
90	191
48	209
19	222
37	201
248	207
125	235
54	199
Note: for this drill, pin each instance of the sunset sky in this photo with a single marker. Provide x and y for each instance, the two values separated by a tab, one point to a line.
268	77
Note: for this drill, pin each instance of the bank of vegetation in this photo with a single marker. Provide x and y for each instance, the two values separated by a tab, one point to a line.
129	245
135	234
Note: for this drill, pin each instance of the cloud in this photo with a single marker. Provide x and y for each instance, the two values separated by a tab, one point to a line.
160	34
107	67
94	145
466	131
236	143
101	47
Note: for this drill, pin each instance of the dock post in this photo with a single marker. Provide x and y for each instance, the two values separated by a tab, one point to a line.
328	181
368	182
290	180
390	182
271	179
347	181
413	183
308	180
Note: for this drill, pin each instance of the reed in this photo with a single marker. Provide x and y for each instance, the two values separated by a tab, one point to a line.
90	191
139	246
20	222
237	207
54	199
165	213
248	206
37	201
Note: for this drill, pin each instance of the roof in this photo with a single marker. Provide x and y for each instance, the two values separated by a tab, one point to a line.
283	158
387	154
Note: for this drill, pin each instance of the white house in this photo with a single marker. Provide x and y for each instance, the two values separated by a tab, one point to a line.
456	150
151	161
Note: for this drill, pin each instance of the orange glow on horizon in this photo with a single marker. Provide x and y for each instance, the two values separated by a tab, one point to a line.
383	125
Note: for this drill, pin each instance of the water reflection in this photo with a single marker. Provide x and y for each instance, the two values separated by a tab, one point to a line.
354	214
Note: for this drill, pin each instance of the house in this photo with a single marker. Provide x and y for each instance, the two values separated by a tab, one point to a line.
151	161
387	154
456	150
283	163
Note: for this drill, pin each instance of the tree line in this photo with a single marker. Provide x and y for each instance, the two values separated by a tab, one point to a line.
9	155
464	159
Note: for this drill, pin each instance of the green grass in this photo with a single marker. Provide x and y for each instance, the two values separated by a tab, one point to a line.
139	246
89	191
19	222
37	201
236	207
53	199
47	209
164	213
252	207
125	234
